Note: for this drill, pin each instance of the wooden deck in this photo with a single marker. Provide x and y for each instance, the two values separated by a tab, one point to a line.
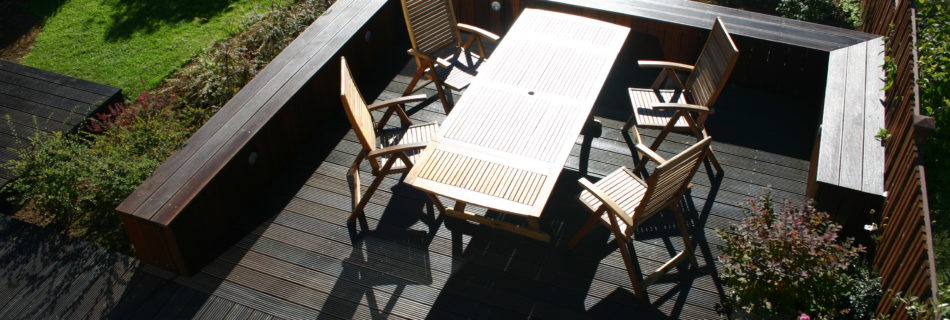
300	262
41	101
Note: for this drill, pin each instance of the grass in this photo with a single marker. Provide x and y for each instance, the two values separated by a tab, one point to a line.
133	45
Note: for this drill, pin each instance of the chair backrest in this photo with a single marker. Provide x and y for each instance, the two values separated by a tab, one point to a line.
713	67
670	179
356	110
431	25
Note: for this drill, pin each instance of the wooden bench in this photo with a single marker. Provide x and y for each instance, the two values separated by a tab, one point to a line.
847	175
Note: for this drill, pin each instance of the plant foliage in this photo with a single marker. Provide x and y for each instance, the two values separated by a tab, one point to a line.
916	308
220	72
839	13
74	182
933	45
781	260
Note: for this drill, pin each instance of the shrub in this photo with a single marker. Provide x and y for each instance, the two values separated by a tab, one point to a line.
219	73
933	43
839	13
916	308
781	261
74	182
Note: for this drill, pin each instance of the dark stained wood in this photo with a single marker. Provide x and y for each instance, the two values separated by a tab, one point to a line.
301	263
34	101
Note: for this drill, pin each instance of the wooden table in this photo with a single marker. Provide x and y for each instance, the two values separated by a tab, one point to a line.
507	138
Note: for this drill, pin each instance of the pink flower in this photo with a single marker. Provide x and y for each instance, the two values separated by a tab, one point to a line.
804	316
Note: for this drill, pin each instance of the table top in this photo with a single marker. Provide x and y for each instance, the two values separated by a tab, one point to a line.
507	138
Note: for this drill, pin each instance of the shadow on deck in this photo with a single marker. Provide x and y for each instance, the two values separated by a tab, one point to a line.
301	263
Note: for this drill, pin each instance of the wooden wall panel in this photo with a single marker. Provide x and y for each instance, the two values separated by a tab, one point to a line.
905	255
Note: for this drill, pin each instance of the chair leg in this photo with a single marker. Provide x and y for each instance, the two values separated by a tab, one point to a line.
358	210
412	83
440	89
684	232
700	133
629	124
641	165
656	143
712	158
633	269
591	221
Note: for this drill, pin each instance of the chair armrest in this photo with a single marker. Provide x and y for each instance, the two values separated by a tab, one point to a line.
649	153
398	148
396	101
611	206
664	64
439	61
478	31
680	106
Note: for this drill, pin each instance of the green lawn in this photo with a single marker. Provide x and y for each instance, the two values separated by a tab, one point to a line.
133	44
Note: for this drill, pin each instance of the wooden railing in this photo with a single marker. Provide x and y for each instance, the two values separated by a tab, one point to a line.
905	254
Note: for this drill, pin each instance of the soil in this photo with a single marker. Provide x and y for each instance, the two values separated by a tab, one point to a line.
20	28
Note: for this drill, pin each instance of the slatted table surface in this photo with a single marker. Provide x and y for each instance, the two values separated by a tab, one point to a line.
505	142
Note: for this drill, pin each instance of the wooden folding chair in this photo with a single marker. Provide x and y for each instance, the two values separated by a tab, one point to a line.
621	201
685	107
389	151
434	31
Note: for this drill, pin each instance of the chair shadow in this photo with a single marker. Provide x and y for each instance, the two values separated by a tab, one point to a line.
498	262
394	253
48	275
663	227
380	260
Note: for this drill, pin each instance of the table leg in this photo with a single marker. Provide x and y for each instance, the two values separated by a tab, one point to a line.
534	223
